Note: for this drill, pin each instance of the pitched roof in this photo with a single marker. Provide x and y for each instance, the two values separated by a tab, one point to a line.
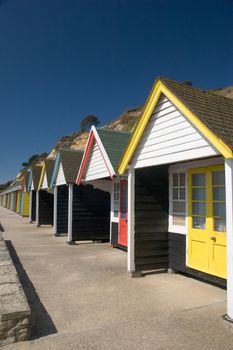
71	160
214	110
25	178
49	165
36	171
14	186
210	113
114	143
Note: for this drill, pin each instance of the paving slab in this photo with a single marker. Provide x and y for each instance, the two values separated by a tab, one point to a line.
82	298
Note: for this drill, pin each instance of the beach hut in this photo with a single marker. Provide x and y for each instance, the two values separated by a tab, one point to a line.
99	167
46	197
80	211
24	196
180	185
33	183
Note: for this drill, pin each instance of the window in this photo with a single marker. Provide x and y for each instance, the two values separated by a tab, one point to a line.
219	202
178	199
199	201
116	200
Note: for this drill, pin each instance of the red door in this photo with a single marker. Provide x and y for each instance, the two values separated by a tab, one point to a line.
122	237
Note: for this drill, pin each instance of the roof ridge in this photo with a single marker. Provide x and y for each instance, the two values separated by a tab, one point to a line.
116	131
195	88
70	150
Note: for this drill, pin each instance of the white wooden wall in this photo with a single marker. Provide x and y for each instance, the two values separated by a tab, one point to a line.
169	137
96	167
45	182
60	176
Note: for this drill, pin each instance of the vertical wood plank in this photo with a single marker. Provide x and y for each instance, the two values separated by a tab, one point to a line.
70	213
55	211
30	207
37	208
229	233
131	221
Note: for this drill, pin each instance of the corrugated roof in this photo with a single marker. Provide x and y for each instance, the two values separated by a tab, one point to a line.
114	143
215	111
71	160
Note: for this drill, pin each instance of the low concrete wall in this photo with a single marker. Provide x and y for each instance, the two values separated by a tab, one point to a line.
14	308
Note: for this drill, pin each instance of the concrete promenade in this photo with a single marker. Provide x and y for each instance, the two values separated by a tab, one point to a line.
82	298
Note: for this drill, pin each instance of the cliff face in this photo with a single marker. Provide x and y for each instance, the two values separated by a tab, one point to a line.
226	92
125	122
77	140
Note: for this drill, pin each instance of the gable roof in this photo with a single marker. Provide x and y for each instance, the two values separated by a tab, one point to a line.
47	169
25	178
71	160
36	171
210	113
114	143
111	144
14	186
49	165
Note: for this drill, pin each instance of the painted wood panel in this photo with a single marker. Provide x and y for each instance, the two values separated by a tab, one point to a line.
169	137
151	219
177	252
96	167
45	208
60	180
62	209
45	182
18	201
25	204
91	214
33	206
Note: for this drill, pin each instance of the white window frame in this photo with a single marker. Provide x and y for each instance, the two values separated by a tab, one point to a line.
183	168
171	226
113	217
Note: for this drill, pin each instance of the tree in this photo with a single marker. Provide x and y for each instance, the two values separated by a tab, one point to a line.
33	158
5	185
88	121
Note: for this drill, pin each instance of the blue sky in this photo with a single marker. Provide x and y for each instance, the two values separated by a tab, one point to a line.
61	60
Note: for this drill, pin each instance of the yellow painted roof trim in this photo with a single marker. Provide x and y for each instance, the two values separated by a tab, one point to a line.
41	176
151	102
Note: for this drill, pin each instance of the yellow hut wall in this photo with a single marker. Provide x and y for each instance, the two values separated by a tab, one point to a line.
18	202
25	211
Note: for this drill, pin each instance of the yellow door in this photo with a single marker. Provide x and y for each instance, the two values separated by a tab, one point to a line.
207	220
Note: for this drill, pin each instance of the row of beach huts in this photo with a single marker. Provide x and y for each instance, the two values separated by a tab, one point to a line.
163	193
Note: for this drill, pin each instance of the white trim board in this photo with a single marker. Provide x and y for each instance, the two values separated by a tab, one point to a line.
45	182
60	178
170	137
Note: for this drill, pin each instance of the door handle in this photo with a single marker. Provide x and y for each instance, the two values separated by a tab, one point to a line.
213	238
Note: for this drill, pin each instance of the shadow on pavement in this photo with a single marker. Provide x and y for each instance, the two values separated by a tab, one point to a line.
41	323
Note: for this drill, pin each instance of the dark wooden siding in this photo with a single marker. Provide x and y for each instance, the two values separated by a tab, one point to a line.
45	208
114	238
177	251
33	206
151	218
62	209
91	214
206	277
